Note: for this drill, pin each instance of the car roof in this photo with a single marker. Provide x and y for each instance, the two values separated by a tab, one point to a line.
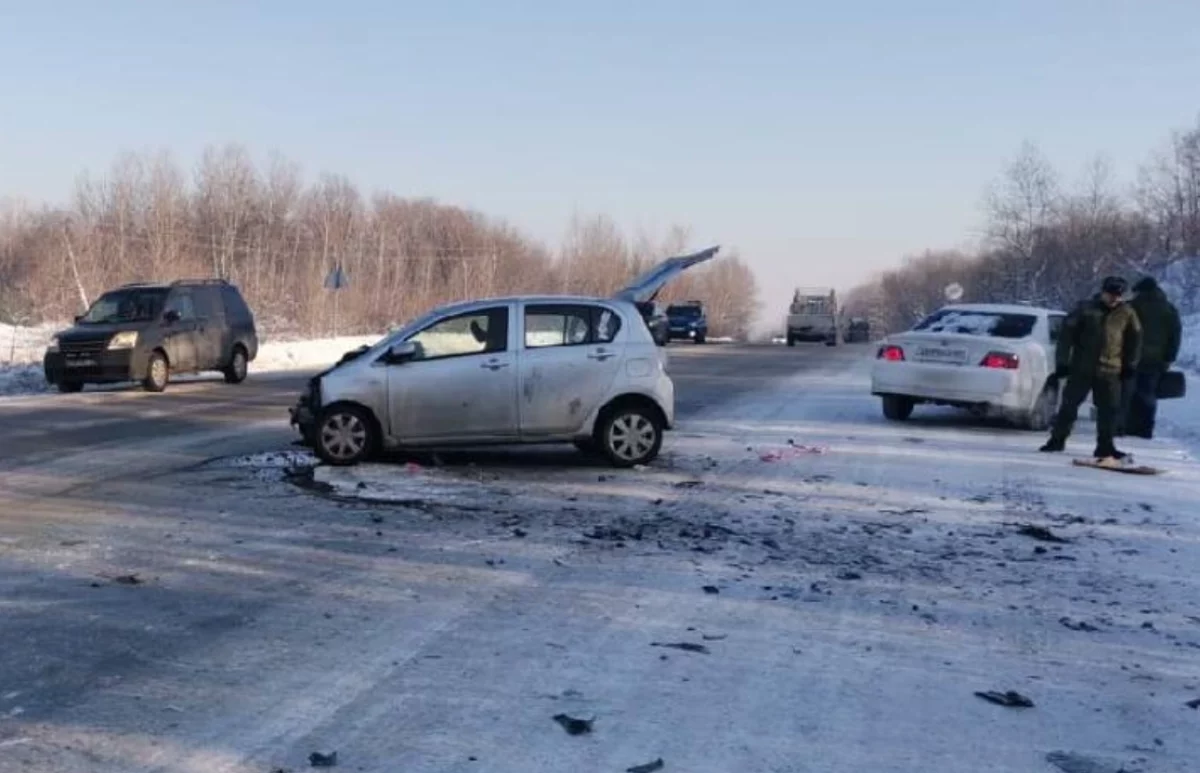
1003	308
547	299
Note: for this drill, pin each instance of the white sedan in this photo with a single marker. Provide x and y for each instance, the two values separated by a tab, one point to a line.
992	359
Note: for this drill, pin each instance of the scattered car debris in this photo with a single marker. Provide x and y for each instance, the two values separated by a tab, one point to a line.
1193	704
520	533
574	725
1011	698
321	760
128	579
1040	533
791	451
906	511
649	767
712	590
849	575
714	636
686	646
1077	763
1077	625
688	483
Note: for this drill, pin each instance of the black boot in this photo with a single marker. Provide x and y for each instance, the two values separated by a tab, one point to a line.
1053	446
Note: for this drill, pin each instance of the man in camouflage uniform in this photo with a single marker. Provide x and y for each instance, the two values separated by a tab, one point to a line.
1099	346
1161	333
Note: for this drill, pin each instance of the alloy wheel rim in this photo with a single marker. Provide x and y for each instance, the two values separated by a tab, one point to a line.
631	436
158	371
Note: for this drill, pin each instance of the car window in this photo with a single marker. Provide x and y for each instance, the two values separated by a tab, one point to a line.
1056	325
235	308
605	325
557	325
206	302
978	322
477	332
181	301
133	305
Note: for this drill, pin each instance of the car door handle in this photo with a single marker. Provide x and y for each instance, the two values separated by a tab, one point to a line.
494	366
602	356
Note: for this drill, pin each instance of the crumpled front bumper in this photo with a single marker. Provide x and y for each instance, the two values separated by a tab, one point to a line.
302	415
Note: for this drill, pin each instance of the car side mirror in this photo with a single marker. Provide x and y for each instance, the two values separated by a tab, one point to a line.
78	318
171	317
400	353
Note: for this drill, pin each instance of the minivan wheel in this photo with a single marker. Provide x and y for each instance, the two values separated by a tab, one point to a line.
345	435
630	435
235	373
69	387
897	407
158	373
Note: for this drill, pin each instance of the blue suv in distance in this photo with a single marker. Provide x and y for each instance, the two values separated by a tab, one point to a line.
687	320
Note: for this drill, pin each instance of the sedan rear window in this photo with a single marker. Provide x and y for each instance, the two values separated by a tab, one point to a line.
978	323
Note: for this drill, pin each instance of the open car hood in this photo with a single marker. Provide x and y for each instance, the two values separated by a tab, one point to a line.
646	286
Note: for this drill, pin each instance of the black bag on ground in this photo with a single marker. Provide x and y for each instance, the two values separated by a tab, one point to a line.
1172	385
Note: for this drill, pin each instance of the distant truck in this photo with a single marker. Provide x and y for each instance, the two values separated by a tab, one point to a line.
813	316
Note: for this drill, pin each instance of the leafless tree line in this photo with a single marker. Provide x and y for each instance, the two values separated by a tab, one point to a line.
1050	243
278	238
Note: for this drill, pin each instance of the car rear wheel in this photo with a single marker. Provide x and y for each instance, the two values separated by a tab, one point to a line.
630	435
158	373
897	407
791	341
1042	416
345	435
235	373
69	387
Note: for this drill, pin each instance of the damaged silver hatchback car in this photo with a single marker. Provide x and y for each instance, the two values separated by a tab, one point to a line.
528	369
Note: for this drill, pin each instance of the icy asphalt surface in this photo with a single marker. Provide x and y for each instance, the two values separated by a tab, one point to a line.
169	601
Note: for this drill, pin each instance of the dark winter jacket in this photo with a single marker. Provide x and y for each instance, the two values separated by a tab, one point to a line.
1161	328
1098	340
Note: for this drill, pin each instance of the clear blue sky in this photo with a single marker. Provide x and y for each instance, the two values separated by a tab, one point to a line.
823	140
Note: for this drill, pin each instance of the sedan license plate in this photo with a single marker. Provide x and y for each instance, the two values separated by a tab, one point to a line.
81	362
942	354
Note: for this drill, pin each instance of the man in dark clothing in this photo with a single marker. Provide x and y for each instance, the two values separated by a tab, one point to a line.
1099	344
1161	334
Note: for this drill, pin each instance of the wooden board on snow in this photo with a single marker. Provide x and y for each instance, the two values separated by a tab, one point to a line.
1129	469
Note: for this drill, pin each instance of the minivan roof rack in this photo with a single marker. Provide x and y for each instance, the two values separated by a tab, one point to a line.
209	281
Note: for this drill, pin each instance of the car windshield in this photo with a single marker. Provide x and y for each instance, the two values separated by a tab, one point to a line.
133	305
978	323
683	311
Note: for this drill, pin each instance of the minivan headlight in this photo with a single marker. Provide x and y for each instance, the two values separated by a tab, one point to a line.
125	340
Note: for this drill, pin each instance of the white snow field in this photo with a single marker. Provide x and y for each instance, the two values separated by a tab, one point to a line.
864	581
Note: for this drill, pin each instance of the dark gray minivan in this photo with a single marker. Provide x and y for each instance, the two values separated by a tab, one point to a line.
146	332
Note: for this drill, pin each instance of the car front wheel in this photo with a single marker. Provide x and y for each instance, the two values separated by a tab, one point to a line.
158	373
630	435
345	435
897	408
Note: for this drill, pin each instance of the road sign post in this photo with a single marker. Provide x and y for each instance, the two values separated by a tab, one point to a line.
336	280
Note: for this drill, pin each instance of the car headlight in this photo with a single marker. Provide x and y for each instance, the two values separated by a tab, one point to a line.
53	347
125	340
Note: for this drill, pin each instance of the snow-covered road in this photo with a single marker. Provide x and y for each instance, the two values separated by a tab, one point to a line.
851	584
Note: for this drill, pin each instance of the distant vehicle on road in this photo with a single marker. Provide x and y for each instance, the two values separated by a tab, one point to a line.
688	320
994	360
813	316
858	331
148	332
525	369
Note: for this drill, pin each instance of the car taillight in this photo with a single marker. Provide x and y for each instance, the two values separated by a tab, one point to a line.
1001	360
891	354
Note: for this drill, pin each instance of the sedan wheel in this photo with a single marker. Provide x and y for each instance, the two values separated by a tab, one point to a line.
345	436
158	373
631	436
